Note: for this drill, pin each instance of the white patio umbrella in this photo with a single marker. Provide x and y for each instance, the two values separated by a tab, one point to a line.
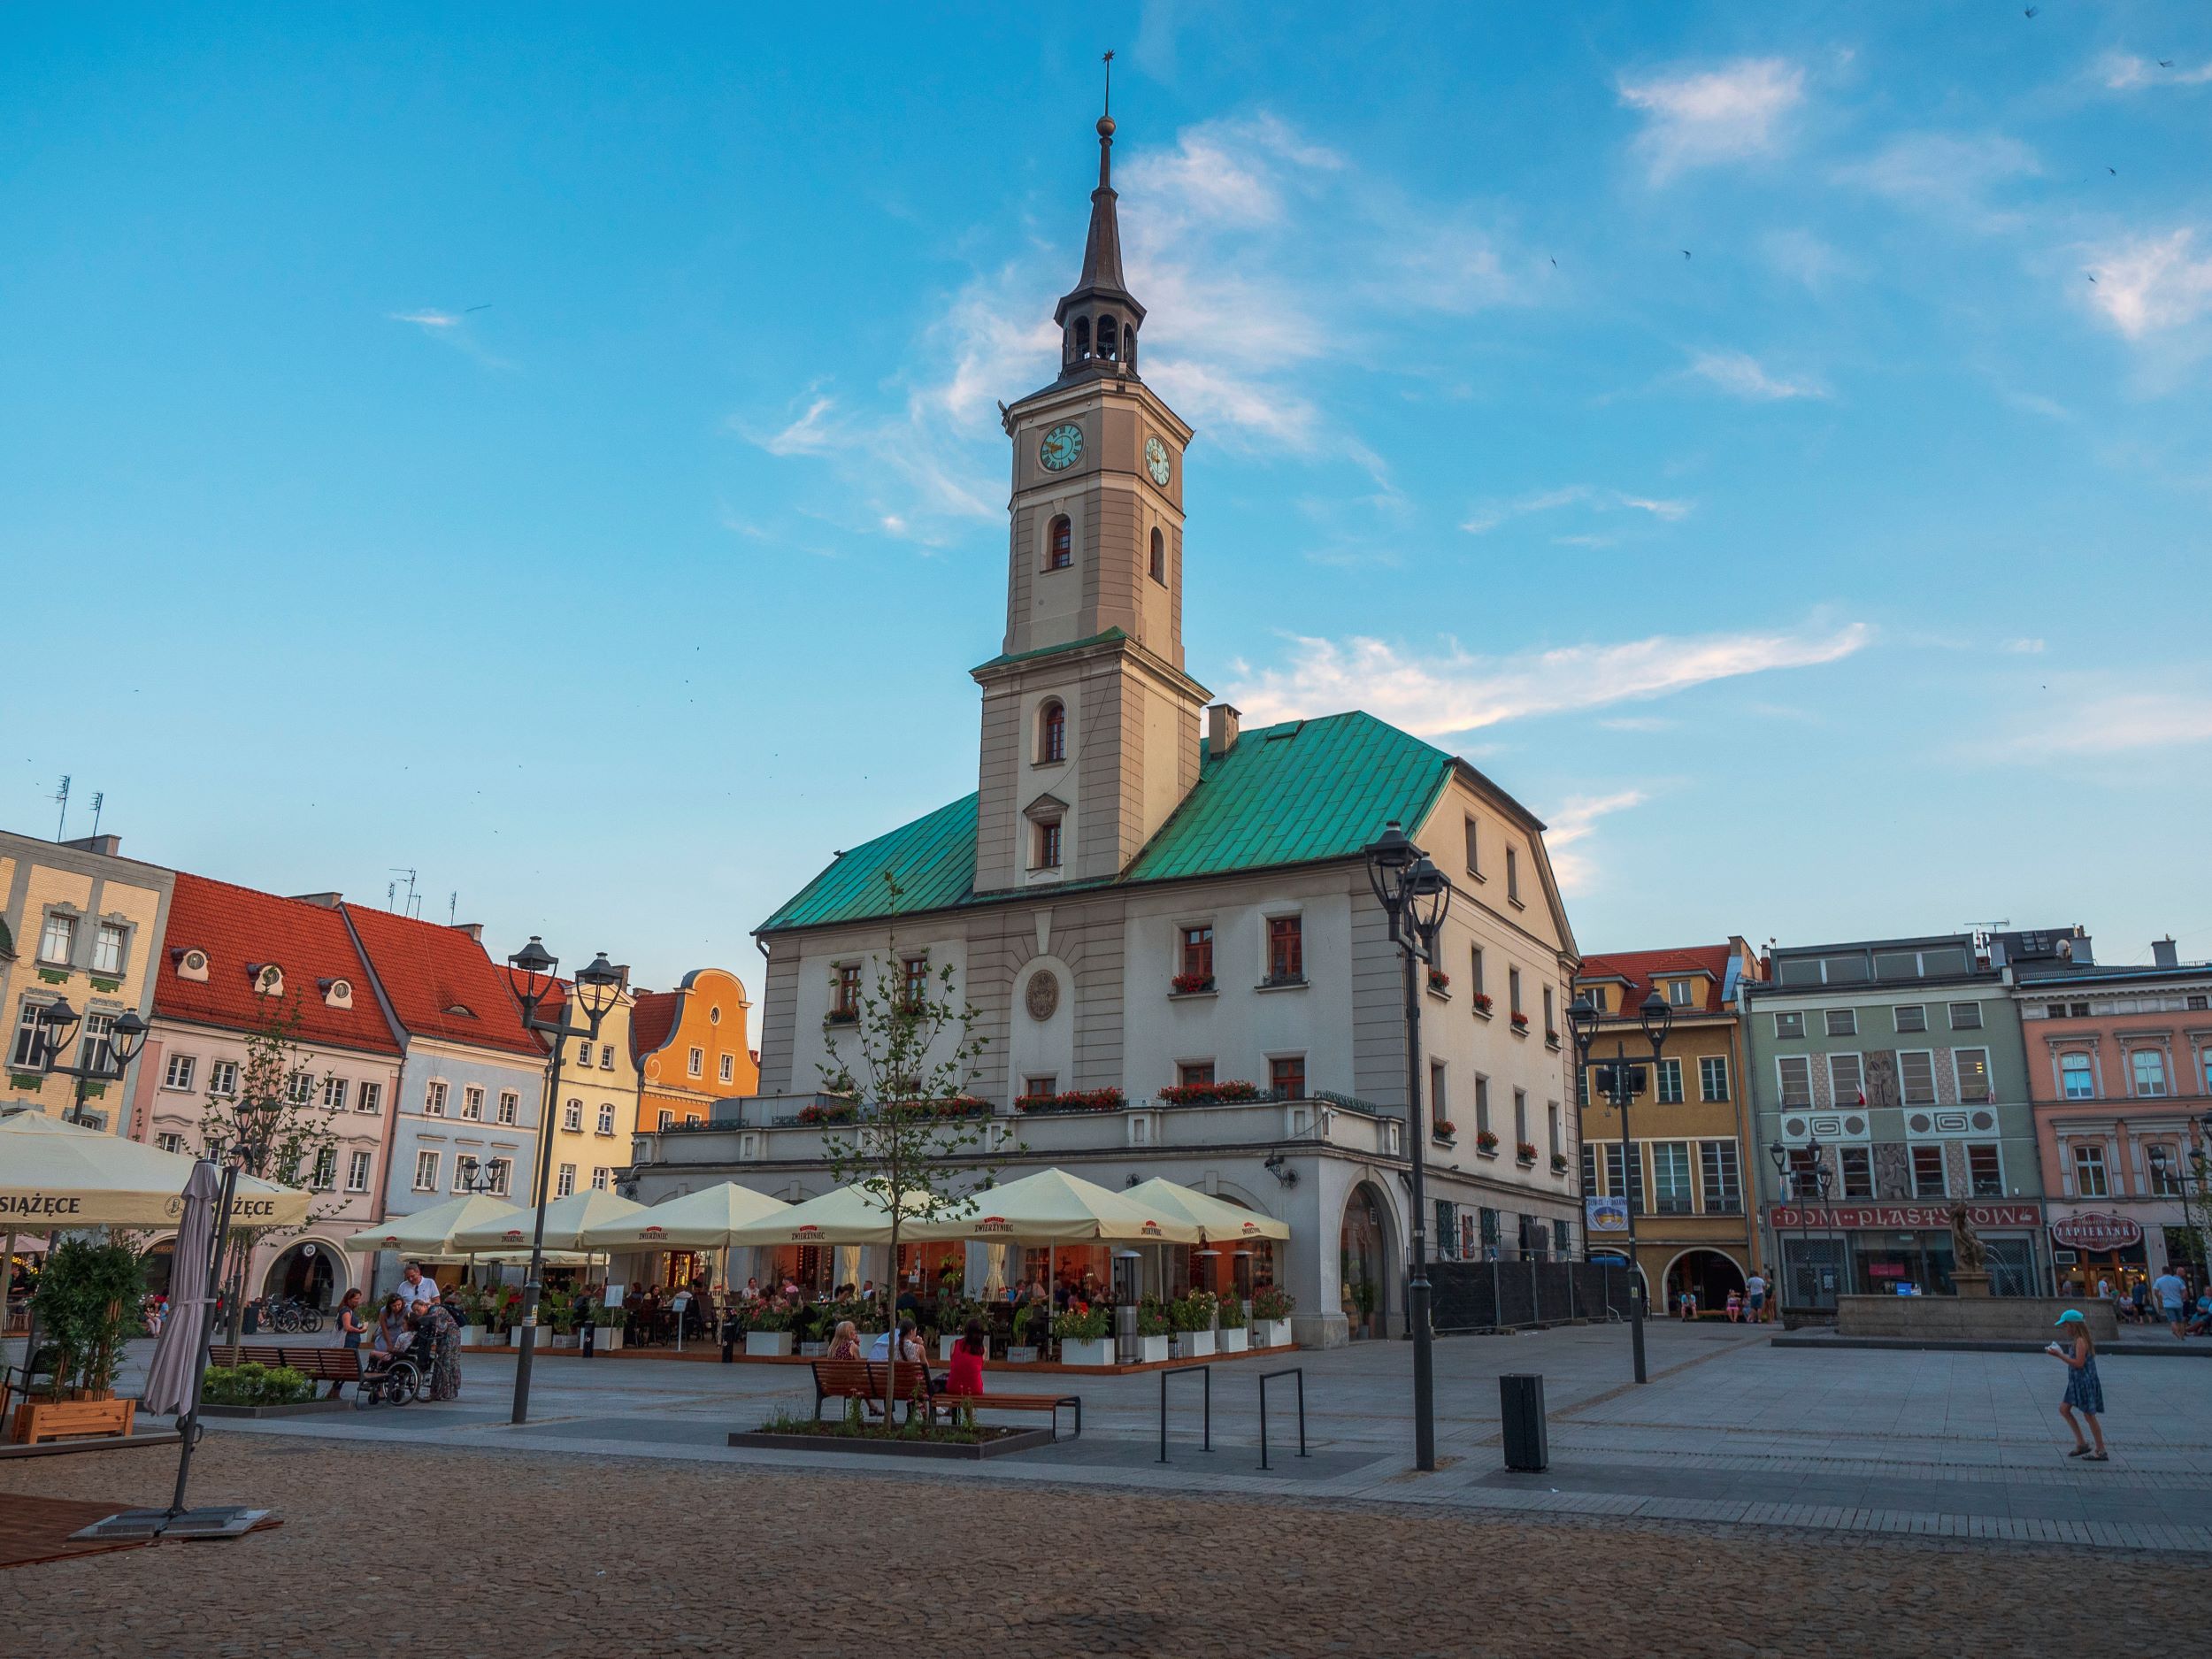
850	1215
565	1219
1221	1221
59	1176
429	1233
1054	1207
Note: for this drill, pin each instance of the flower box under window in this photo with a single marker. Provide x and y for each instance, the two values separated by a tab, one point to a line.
1525	1151
1440	982
1191	983
1210	1094
1480	1003
1558	1164
1520	1022
1074	1100
1443	1130
1486	1143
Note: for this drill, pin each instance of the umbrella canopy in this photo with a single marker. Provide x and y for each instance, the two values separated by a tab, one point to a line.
55	1175
565	1219
706	1220
851	1215
429	1233
1054	1207
171	1377
1221	1221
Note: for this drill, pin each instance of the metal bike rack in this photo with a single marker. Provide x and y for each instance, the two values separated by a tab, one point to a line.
1206	1376
1299	1371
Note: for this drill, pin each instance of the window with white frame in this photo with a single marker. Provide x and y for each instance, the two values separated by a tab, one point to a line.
369	1098
2165	1167
1790	1025
299	1089
1682	993
502	1174
1916	1075
178	1072
433	1096
29	1035
1966	1017
222	1078
1971	1068
1634	1192
1842	1022
510	1105
325	1169
1911	1016
606	1118
728	1074
1712	1077
58	940
426	1172
170	1142
696	1064
1793	1074
464	1167
2147	1069
107	948
602	1178
472	1103
565	1183
1671	1190
357	1166
606	1056
572	1116
2077	1076
333	1094
2089	1172
1724	1179
583	1052
1670	1082
1847	1080
667	1118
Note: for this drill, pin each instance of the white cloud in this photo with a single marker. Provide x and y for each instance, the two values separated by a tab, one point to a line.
2150	284
1671	512
809	434
1572	822
1637	722
2024	647
1450	691
2125	72
2134	720
1804	258
1740	374
1489	515
431	320
1946	174
1717	115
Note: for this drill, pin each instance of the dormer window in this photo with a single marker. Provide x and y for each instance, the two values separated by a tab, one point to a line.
191	964
1060	544
268	979
337	993
1052	732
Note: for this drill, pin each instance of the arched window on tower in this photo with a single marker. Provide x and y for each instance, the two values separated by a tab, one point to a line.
1060	544
1052	732
1159	556
1129	344
1108	338
1082	338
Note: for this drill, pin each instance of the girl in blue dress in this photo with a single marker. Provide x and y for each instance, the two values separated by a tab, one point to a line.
2083	1393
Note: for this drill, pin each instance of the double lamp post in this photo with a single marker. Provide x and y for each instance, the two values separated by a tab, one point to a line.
1620	1083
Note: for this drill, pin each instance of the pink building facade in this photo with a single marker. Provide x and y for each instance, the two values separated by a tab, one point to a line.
2119	1062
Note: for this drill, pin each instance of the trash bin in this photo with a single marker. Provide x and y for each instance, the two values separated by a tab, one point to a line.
1521	1404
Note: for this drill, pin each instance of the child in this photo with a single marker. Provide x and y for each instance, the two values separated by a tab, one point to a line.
1735	1307
2083	1393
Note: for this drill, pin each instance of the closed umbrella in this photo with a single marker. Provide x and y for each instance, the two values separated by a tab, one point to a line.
173	1380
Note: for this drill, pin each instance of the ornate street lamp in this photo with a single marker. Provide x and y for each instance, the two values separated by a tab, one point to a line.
1792	1184
1416	895
532	974
1621	1083
52	1027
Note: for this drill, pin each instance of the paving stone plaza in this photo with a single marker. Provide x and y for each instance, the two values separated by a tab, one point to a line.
1748	1500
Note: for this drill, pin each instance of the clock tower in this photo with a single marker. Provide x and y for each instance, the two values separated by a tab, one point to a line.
1090	725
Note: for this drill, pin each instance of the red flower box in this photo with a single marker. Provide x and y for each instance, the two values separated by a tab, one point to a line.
1191	983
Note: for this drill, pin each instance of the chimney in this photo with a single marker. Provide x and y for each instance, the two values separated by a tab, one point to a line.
327	901
2165	954
1221	730
107	845
474	929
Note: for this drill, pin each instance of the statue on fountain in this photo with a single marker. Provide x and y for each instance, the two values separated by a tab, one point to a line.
1970	1258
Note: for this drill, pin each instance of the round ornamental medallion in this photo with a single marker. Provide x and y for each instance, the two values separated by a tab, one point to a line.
1042	998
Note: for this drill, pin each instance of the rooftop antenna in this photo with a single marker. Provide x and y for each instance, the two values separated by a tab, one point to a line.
452	907
410	905
62	795
99	799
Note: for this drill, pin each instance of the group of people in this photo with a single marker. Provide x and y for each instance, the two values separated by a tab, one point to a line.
1747	1306
2163	1301
412	1319
964	1374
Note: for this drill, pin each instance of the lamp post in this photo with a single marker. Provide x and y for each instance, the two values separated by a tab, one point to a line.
530	973
1622	1083
54	1024
1416	895
1793	1185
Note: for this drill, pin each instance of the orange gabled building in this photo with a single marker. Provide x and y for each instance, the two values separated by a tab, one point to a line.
691	1048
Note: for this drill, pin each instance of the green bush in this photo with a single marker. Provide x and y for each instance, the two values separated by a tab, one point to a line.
1268	1302
1193	1311
1152	1318
88	1302
256	1384
1232	1313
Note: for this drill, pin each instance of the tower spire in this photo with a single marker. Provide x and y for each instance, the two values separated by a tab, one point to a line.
1098	316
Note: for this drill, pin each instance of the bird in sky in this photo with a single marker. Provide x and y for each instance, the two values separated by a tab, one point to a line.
2092	276
2165	63
2030	12
2114	171
1685	253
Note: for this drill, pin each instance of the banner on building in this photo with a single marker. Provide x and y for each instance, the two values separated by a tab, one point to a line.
1605	1216
1899	1217
2094	1230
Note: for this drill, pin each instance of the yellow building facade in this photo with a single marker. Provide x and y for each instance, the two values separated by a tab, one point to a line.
596	1112
82	925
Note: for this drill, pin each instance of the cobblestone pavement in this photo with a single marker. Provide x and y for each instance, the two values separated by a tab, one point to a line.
449	1551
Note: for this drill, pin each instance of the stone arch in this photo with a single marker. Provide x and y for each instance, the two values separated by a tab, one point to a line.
1368	1257
313	1268
1710	1273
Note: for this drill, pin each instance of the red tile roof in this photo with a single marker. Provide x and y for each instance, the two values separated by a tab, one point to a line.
1638	968
442	983
240	930
652	1018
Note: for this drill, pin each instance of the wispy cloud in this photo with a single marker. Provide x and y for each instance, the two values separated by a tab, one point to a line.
1448	691
2126	722
1570	824
1953	174
1488	515
1805	258
2024	646
429	321
2149	284
1740	374
1700	118
2125	72
451	328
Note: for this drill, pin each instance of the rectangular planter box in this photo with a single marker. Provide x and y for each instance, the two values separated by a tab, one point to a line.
1152	1350
1193	1344
813	1350
298	1408
1028	1353
1235	1340
569	1340
475	1336
945	1345
1087	1351
607	1338
767	1344
1271	1333
514	1336
37	1420
1026	1440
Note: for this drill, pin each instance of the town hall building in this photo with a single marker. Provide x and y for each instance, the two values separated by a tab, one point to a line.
1164	921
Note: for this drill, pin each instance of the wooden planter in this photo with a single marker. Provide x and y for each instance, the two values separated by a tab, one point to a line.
37	1420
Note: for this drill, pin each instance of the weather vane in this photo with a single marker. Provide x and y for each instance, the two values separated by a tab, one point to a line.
1108	61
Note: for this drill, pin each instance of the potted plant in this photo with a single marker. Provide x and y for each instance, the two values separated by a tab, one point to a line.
1019	1350
1525	1151
1365	1299
1191	983
1520	1022
809	1332
88	1306
1270	1317
1234	1335
1086	1334
607	1323
1154	1332
1191	1315
1558	1164
1440	982
1480	1003
1444	1130
768	1331
1486	1143
469	1306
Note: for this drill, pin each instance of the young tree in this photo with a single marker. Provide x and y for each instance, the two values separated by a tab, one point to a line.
906	1063
278	1112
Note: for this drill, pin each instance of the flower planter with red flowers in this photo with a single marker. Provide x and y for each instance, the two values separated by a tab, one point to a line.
1486	1143
1525	1151
1558	1164
1551	1039
1443	1130
1079	1100
1191	984
812	1115
1440	982
1209	1094
1520	1024
1481	1002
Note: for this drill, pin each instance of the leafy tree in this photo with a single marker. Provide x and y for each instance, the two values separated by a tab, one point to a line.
907	1061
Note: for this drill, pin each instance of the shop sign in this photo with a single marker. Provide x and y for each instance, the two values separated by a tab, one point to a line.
1605	1215
2094	1230
1899	1217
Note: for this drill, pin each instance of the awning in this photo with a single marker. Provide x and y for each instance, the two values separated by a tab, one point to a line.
55	1176
1054	1207
565	1219
1221	1221
850	1215
706	1220
429	1233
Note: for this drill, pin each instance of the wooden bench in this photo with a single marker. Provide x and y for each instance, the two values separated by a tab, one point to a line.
322	1365
863	1379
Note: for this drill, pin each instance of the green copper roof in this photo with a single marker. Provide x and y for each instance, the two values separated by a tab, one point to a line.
1293	794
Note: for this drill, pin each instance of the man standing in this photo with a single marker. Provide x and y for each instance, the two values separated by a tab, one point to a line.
2173	1296
1755	1290
416	1292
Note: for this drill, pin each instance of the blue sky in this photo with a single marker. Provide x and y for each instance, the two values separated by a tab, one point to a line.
1845	576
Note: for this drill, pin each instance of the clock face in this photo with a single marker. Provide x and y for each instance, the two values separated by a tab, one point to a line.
1061	447
1155	461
